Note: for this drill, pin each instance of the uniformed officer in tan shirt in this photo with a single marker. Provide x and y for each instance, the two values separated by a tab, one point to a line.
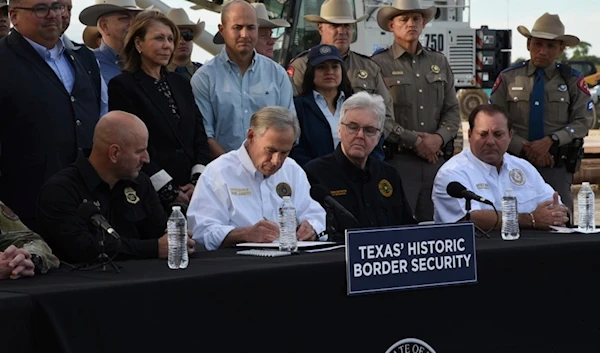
422	87
336	27
182	58
566	111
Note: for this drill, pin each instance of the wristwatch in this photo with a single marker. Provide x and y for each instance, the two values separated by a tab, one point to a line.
555	139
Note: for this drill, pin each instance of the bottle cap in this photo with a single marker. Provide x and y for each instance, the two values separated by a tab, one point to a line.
176	208
286	198
585	183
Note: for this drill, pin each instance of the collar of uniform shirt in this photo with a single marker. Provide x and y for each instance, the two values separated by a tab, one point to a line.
398	50
350	168
549	71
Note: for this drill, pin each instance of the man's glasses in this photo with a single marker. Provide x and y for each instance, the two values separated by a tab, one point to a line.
354	128
42	11
187	35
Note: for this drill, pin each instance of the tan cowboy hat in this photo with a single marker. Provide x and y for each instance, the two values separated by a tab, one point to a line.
263	21
399	7
335	11
549	27
90	36
90	15
181	20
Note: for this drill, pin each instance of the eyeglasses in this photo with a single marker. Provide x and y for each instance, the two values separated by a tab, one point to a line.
42	11
187	36
354	128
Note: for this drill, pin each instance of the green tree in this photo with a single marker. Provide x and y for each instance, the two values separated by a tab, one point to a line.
581	50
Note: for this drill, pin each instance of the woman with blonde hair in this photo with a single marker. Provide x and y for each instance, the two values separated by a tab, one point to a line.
177	144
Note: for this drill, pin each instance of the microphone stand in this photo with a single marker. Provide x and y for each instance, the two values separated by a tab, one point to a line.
102	260
478	231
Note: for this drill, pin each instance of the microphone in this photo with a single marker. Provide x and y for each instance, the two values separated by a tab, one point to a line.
322	196
456	189
91	213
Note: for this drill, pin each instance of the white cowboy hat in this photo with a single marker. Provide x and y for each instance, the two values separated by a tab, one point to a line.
335	11
263	21
90	36
181	20
399	7
90	15
549	27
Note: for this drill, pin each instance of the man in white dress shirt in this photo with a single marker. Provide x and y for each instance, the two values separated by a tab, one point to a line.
238	195
487	170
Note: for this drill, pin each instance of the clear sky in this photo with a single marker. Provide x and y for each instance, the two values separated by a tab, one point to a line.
581	20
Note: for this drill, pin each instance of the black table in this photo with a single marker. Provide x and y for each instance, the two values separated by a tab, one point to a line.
537	294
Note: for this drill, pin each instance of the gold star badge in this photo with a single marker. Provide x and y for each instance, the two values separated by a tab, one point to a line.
363	74
435	69
385	188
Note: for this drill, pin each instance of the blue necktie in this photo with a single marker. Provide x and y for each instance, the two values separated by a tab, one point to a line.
536	109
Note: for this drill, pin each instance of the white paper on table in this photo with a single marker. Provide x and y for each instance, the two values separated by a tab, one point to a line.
275	244
556	229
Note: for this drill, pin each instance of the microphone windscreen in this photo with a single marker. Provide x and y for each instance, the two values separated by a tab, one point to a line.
318	193
87	209
455	189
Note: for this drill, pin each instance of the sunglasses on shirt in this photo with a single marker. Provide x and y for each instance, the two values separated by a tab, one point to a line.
187	35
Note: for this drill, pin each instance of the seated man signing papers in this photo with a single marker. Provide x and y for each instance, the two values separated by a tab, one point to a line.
371	190
238	195
487	170
110	179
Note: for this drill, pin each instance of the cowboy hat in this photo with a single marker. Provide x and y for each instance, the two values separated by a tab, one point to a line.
90	15
263	21
549	27
90	36
335	11
399	7
181	20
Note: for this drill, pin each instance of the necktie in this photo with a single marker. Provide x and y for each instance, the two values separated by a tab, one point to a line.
536	110
181	70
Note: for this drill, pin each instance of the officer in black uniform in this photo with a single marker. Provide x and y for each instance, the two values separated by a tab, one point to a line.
110	179
367	187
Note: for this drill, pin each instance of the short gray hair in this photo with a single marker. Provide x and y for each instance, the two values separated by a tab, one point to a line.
276	117
364	100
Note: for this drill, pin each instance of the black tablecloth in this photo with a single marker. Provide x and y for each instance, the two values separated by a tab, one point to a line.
537	294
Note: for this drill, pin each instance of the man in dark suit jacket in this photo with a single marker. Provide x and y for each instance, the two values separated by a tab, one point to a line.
46	118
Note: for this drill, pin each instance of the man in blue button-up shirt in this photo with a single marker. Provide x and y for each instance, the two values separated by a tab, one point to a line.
238	81
113	18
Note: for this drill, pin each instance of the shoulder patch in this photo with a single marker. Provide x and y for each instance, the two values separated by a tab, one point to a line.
516	66
290	71
300	55
497	83
583	85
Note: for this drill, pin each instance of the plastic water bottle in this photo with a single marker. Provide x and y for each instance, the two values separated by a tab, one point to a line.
510	216
287	226
177	236
586	206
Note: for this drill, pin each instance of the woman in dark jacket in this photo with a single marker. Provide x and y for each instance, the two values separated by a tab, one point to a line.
177	145
326	86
